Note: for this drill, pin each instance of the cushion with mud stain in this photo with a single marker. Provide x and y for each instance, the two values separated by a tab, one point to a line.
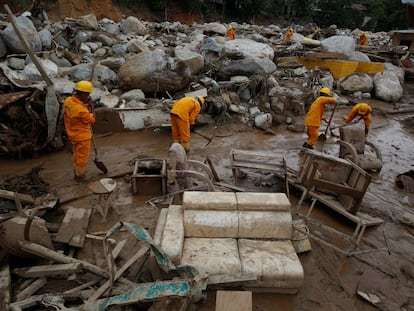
212	256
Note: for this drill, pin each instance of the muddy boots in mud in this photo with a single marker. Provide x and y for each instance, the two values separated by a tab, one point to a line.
306	145
79	173
186	146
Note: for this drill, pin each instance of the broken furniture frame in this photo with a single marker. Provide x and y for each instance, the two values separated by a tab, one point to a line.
344	196
259	160
104	189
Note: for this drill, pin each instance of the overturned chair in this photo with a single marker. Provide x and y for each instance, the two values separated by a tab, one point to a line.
234	235
355	147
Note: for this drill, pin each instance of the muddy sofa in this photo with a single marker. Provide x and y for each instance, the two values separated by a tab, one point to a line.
226	233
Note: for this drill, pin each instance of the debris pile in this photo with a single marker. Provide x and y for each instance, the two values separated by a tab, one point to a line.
138	68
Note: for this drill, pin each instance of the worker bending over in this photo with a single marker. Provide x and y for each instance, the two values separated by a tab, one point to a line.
315	115
79	114
230	32
183	115
363	111
363	38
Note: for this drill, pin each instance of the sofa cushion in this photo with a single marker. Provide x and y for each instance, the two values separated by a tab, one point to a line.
173	236
274	262
200	200
257	201
265	225
211	224
212	256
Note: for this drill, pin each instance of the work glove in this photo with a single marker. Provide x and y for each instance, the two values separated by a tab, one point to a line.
192	128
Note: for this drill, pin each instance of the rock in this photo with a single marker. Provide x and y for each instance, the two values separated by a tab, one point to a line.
63	86
356	82
359	57
263	121
109	100
248	48
104	39
113	63
388	67
3	48
244	67
387	86
46	38
88	21
148	71
31	73
16	63
133	25
215	28
339	44
28	30
133	95
136	46
192	59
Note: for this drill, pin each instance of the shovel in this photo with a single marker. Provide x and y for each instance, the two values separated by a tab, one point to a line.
51	102
322	137
99	164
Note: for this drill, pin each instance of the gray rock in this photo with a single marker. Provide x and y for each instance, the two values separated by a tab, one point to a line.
136	94
119	49
113	62
60	61
387	86
339	44
3	48
193	60
133	25
63	86
46	38
88	21
16	63
356	82
244	67
215	28
31	73
136	46
263	121
248	48
29	32
104	39
149	71
83	36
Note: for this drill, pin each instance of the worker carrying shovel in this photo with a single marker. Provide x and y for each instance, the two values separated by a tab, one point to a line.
183	115
315	115
363	111
79	114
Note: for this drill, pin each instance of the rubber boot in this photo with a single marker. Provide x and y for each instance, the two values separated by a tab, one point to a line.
186	146
79	173
306	145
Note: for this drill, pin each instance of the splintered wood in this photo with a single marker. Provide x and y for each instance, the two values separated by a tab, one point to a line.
74	226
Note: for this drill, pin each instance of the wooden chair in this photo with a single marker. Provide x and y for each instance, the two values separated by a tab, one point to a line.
355	147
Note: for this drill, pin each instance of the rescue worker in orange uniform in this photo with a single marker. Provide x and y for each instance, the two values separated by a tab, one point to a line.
288	35
363	111
363	38
183	115
315	115
79	114
230	33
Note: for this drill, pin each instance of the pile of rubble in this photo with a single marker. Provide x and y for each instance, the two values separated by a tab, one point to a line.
138	69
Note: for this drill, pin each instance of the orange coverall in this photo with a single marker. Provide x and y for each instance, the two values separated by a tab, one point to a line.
183	114
363	39
315	115
77	120
231	34
288	36
354	113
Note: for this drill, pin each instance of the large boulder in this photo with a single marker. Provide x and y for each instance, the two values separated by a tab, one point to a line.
28	30
133	25
149	72
193	60
339	44
248	48
388	87
361	82
244	67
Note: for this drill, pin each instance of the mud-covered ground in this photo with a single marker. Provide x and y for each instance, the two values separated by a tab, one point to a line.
331	279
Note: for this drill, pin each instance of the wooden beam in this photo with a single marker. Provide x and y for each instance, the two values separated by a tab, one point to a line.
234	301
31	289
48	270
5	287
74	226
25	198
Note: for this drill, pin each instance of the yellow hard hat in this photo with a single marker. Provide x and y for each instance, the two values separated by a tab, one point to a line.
201	100
363	109
325	91
230	27
362	33
84	86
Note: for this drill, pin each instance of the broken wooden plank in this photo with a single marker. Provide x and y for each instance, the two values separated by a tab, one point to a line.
31	289
142	251
74	226
234	301
5	287
48	270
25	198
9	98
